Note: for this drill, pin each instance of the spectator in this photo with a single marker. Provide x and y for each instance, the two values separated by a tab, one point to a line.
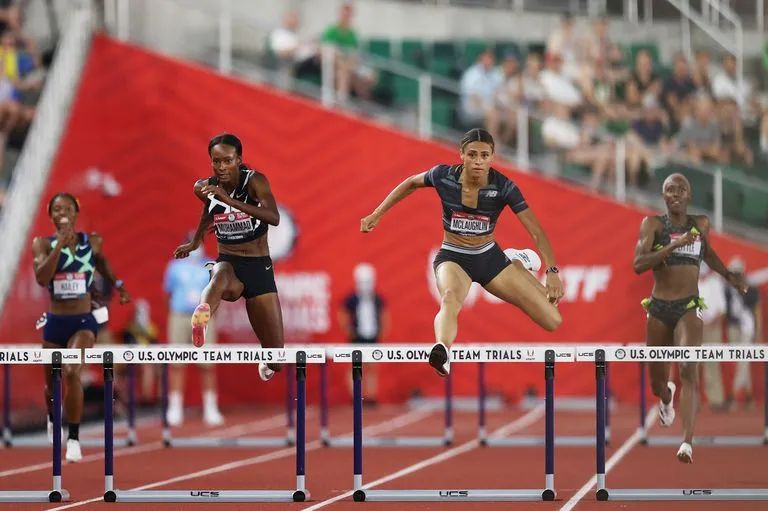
745	326
296	57
508	97
351	74
711	289
678	91
532	89
558	86
16	65
563	41
601	49
601	94
580	146
364	318
10	15
142	331
700	136
702	72
643	83
184	282
733	105
647	140
478	87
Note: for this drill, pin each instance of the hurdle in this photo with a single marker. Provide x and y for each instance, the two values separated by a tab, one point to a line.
210	441
711	440
521	440
55	358
219	355
358	356
9	440
446	439
663	354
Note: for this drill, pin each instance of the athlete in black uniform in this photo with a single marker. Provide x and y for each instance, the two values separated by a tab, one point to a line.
239	205
673	246
473	195
65	264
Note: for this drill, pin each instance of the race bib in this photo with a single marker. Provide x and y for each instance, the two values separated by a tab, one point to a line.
469	224
67	286
235	223
692	250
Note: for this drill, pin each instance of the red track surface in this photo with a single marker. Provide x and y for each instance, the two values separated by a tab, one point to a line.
329	471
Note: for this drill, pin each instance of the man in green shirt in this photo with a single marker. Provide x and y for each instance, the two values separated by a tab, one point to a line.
351	74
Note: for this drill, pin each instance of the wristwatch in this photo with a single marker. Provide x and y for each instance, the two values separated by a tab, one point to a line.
553	269
119	283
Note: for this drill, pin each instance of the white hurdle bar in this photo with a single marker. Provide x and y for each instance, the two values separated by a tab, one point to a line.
385	354
663	354
444	440
56	358
233	354
286	440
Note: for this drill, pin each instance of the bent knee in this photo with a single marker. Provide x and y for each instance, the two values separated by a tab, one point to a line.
450	301
553	320
72	371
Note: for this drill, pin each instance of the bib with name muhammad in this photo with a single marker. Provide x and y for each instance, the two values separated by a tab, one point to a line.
229	223
499	193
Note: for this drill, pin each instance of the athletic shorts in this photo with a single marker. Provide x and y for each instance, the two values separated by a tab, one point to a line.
256	273
59	328
482	264
180	329
669	312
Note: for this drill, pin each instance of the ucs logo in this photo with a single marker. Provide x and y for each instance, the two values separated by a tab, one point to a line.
205	494
697	492
454	493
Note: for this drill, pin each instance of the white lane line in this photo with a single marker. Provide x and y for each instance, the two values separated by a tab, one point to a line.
622	451
229	431
387	425
518	424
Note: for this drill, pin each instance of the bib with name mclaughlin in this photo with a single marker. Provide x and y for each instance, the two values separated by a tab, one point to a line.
466	223
69	285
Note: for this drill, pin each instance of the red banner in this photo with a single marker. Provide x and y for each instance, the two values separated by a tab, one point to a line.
136	142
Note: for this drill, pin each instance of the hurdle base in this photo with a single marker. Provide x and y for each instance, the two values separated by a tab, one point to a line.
712	441
210	496
534	441
686	494
230	442
84	442
450	495
34	496
401	441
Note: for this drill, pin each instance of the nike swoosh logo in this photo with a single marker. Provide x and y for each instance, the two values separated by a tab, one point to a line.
268	267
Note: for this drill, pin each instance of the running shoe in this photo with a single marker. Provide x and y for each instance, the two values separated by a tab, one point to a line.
685	453
667	411
200	319
529	258
74	453
265	373
439	359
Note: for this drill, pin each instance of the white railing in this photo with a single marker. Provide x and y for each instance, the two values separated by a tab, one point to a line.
34	164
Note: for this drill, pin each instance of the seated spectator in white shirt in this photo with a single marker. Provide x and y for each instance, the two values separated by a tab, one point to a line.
580	145
563	41
727	87
558	87
508	97
478	87
294	53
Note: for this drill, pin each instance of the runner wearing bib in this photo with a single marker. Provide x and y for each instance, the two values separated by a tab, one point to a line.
65	264
473	196
673	246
